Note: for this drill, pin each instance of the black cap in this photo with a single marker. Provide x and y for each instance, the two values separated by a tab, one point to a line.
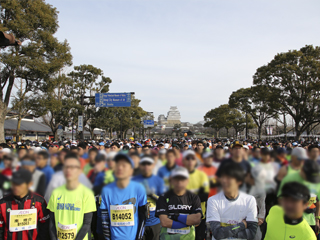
219	146
21	176
312	171
295	190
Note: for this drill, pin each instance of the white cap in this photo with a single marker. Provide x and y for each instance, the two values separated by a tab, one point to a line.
207	154
299	153
37	149
146	159
162	151
111	155
245	147
6	150
179	172
166	145
187	153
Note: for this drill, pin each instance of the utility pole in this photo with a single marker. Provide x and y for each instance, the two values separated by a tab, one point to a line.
246	125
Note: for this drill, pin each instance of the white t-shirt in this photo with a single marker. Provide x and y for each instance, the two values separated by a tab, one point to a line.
220	209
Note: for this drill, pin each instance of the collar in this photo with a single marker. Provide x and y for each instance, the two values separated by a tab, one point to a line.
171	167
19	200
292	222
233	199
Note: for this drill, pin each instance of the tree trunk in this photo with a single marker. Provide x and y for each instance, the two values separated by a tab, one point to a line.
18	129
259	131
3	113
298	132
91	134
285	127
227	132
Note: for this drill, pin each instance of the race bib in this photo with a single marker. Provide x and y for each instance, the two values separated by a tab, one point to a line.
66	231
152	204
21	220
185	230
122	215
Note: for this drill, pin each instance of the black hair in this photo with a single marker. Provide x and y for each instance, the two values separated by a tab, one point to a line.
44	154
312	146
297	189
74	148
82	145
170	151
233	170
93	150
115	144
134	154
71	155
125	147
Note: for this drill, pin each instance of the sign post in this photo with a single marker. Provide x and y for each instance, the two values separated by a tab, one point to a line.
80	123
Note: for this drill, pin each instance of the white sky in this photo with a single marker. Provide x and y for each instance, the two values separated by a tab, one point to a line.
186	53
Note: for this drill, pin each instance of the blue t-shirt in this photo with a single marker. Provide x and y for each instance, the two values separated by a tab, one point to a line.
153	185
48	172
164	173
134	194
98	181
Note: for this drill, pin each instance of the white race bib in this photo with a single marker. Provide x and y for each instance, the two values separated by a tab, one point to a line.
122	215
25	219
68	232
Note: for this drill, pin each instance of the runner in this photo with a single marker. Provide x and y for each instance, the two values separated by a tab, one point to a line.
309	176
210	171
298	154
123	206
179	210
12	220
165	171
313	152
287	222
154	186
71	205
198	184
232	214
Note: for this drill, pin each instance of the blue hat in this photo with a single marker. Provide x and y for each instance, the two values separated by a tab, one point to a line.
124	156
101	144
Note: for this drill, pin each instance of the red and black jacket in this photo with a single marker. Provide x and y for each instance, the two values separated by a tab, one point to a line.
32	200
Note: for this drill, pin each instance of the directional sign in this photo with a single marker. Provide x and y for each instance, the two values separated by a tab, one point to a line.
80	123
113	99
148	123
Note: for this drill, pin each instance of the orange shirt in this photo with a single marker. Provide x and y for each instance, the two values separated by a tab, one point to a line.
211	173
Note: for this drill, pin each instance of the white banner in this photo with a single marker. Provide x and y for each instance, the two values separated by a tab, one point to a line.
80	123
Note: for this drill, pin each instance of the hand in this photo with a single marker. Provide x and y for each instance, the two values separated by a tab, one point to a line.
317	227
245	223
260	221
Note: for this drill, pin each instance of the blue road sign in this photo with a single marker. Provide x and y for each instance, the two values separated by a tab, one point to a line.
113	99
148	123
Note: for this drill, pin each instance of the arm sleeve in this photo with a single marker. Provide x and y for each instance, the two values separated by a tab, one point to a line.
41	188
225	232
52	227
161	207
143	214
261	206
264	230
250	232
1	225
86	226
43	222
104	216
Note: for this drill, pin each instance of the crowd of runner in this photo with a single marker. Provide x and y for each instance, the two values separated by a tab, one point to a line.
159	189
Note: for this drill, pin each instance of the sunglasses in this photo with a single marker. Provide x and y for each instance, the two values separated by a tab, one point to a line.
190	158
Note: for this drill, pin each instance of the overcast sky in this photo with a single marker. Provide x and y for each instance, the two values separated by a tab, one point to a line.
187	53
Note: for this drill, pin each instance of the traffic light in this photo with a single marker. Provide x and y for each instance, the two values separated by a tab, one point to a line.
8	40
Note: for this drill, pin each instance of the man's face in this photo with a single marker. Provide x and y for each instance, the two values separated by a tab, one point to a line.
92	155
219	152
208	161
229	184
314	153
200	147
100	166
101	147
22	153
146	168
18	190
256	153
237	152
293	208
40	161
123	169
139	150
111	164
146	150
136	160
190	162
179	184
265	157
7	163
71	169
171	158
